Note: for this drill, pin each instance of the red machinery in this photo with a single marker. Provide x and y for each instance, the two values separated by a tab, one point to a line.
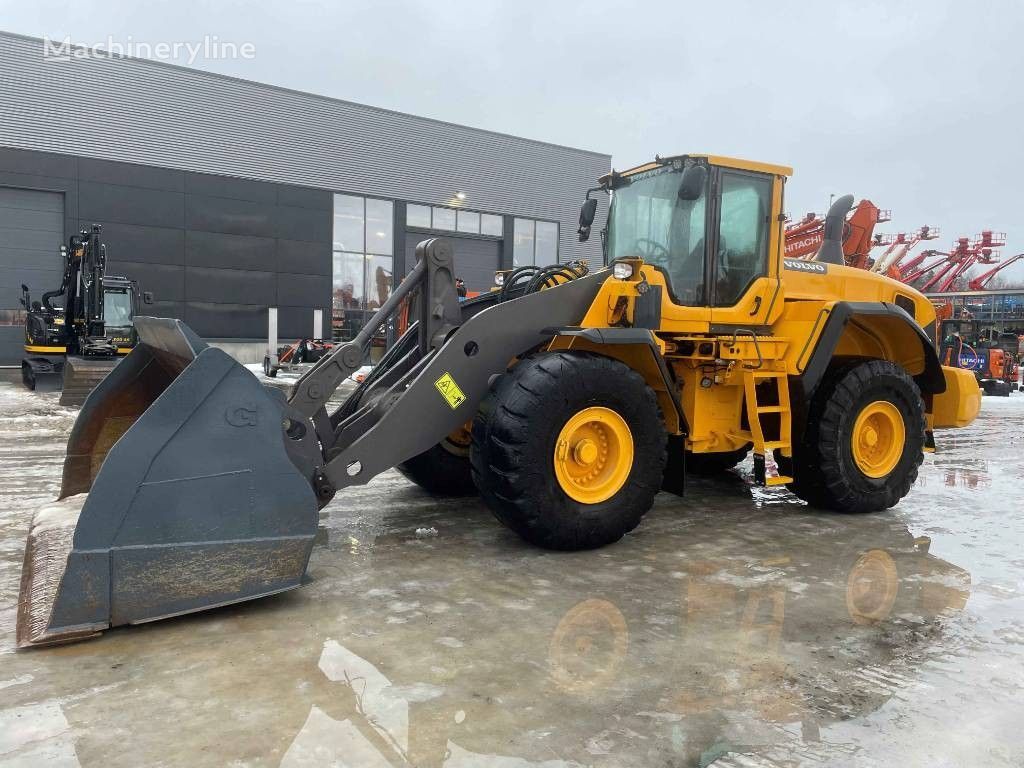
805	236
979	282
953	265
899	246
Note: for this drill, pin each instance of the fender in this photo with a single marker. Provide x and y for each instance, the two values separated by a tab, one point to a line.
613	342
813	365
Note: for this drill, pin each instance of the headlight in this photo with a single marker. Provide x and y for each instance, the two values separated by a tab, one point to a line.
499	279
622	270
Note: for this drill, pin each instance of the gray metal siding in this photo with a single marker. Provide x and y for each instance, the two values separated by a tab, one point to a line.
476	259
155	114
31	231
216	262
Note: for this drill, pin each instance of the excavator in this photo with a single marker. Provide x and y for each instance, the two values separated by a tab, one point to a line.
992	356
567	407
74	346
804	238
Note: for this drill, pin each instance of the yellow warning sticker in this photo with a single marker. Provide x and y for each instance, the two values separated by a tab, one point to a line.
450	390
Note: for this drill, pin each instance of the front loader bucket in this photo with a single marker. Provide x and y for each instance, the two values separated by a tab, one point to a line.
178	494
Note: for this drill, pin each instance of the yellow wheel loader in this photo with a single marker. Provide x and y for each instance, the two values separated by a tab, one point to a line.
188	484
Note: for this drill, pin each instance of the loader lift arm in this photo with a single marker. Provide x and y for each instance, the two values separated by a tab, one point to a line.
430	390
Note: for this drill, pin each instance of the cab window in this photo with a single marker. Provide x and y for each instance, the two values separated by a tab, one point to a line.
648	219
742	249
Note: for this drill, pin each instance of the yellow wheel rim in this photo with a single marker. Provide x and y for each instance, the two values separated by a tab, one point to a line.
593	455
878	438
871	587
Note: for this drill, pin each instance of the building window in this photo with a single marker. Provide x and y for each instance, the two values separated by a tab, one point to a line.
349	218
546	243
379	218
363	262
468	221
491	225
522	243
534	243
444	218
417	216
454	220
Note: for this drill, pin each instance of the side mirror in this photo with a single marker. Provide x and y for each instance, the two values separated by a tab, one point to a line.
691	186
588	211
147	297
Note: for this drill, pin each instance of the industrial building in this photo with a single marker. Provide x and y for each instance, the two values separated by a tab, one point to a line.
224	197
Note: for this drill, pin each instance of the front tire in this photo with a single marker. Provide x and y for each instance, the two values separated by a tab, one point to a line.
443	469
864	440
569	450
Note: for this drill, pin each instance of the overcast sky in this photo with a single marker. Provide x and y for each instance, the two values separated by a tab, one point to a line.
917	106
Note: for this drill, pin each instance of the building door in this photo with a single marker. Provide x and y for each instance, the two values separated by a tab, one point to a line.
476	259
31	233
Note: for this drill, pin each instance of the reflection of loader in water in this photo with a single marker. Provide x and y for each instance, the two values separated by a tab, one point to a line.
682	648
724	647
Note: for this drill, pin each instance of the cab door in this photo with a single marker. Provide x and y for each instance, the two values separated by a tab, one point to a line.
746	234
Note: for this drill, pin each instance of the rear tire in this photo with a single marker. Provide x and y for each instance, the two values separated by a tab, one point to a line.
523	463
442	470
864	439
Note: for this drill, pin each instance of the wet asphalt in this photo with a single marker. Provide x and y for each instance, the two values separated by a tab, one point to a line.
735	627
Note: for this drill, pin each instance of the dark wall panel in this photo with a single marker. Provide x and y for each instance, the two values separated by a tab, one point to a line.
165	281
102	202
303	224
206	284
305	197
236	217
38	163
225	186
139	243
298	290
159	308
297	322
305	258
130	175
216	320
215	249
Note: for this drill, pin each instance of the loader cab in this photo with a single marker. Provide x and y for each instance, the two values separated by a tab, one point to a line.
711	226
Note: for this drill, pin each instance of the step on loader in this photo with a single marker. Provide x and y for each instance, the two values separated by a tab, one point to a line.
188	485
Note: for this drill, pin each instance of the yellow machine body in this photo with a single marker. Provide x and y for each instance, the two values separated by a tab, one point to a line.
721	354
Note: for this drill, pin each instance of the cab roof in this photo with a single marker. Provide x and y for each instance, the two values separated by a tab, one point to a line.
720	160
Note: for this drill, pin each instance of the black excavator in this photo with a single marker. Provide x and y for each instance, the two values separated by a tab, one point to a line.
73	347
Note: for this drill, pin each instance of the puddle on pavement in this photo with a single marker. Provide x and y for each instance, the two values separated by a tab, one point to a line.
733	626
